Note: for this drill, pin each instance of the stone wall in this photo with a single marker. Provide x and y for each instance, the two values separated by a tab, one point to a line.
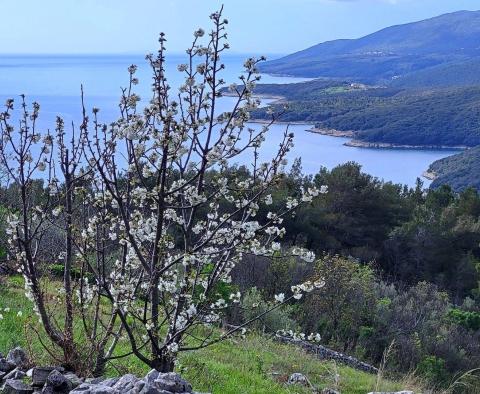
324	353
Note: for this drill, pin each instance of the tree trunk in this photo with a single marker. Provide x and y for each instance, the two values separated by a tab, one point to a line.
164	364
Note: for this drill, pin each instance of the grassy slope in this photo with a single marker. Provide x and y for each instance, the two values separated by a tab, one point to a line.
252	365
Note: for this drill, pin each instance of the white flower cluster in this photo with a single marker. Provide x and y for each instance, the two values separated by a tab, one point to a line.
300	336
306	287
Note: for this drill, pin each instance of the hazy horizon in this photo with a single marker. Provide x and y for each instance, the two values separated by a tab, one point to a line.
272	27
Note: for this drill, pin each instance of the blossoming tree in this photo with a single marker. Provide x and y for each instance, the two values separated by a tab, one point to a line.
39	213
164	218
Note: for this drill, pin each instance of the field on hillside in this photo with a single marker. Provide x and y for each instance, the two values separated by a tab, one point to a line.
255	364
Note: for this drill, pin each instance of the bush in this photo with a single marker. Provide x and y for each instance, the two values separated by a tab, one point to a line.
278	319
57	271
345	303
467	319
433	369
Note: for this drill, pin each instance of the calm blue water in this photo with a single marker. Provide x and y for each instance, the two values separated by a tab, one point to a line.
54	82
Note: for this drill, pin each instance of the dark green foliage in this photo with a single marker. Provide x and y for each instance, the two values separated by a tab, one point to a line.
463	73
341	309
459	171
433	369
440	243
57	270
468	319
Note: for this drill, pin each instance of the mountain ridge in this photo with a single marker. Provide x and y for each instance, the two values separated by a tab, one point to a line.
389	52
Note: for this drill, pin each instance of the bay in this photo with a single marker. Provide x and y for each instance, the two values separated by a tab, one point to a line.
54	81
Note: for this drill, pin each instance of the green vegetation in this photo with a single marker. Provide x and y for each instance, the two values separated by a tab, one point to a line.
403	255
255	364
464	73
401	269
429	71
388	53
459	171
442	117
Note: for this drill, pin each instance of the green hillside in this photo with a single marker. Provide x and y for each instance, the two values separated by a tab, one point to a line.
464	73
439	117
388	53
255	364
459	171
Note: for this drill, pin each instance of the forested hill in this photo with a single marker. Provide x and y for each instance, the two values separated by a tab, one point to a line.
388	53
459	171
464	73
434	117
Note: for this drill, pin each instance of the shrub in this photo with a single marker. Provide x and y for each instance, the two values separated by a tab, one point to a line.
433	369
467	319
278	319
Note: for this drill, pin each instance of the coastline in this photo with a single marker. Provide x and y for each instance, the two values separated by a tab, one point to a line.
354	143
332	132
430	175
277	99
282	122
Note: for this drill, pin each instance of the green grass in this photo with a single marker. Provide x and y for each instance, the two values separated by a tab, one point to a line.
255	364
337	89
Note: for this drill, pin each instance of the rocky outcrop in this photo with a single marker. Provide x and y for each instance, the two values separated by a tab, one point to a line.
17	357
298	378
153	383
13	386
55	380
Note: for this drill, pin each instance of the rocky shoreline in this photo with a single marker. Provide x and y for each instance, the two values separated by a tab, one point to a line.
430	175
386	145
355	143
268	121
332	132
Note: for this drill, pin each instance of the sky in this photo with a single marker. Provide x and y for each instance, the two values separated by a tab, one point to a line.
256	26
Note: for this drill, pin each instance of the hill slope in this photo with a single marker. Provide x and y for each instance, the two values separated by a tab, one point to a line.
436	117
394	51
254	365
464	73
459	171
